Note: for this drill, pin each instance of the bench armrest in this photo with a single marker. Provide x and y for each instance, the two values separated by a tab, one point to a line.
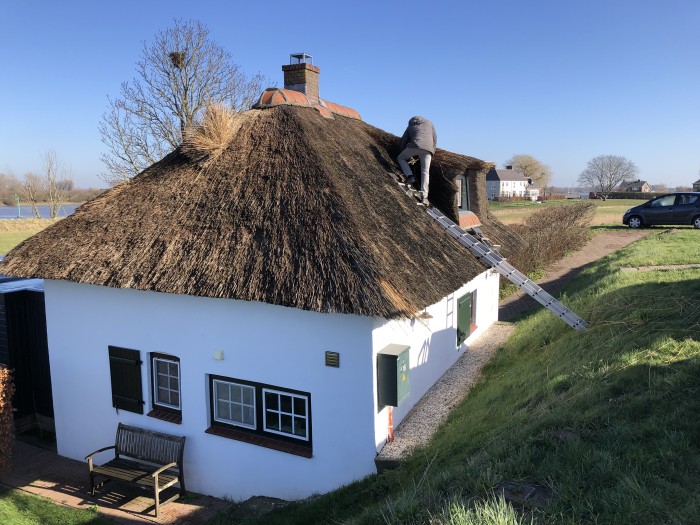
161	469
89	456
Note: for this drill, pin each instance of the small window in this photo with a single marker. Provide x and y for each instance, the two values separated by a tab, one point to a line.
685	199
286	414
234	403
462	193
466	316
666	200
165	387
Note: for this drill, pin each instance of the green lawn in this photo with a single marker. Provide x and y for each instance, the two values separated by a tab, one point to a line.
9	240
608	212
602	423
19	508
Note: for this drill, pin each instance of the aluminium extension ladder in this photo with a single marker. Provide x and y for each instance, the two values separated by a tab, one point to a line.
491	258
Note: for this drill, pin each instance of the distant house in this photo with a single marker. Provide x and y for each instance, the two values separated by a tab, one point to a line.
508	183
696	185
641	186
275	306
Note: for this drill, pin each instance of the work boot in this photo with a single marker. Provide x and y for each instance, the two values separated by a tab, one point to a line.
423	200
410	181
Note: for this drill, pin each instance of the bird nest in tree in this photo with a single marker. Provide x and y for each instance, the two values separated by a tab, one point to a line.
178	59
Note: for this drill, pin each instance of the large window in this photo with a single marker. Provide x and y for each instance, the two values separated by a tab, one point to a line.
264	415
466	316
165	387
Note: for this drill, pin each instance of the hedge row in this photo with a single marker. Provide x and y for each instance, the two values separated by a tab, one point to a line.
6	420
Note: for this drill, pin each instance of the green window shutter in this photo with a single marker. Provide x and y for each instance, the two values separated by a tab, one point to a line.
464	317
125	374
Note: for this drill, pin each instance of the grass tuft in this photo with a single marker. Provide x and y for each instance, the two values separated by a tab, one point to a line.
206	141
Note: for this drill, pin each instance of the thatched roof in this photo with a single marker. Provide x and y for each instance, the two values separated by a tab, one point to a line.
299	211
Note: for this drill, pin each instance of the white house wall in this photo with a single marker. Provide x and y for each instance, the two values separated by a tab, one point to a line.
432	344
279	346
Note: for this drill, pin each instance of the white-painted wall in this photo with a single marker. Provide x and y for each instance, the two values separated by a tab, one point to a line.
269	344
433	344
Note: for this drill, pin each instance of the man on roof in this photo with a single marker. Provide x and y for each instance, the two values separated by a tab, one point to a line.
419	140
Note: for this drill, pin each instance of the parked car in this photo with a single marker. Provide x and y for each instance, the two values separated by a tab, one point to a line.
673	209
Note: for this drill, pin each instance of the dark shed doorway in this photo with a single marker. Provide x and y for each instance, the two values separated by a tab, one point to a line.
24	349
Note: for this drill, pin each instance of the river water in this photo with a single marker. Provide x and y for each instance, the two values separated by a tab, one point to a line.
25	212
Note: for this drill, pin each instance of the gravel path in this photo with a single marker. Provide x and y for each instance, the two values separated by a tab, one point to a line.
432	410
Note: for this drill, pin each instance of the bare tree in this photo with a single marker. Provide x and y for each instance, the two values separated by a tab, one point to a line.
9	187
31	192
604	173
540	174
55	181
660	188
179	74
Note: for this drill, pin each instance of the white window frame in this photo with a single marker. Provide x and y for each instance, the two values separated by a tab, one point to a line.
215	401
280	413
157	388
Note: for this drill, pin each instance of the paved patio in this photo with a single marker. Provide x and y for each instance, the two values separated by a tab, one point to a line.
65	481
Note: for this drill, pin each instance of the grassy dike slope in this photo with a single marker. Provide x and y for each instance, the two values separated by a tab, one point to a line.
603	423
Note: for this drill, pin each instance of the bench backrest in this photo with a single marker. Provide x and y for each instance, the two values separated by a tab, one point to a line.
148	445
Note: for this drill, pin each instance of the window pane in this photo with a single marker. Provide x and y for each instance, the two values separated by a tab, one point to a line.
162	380
248	395
271	401
286	424
235	393
272	420
173	383
286	402
300	426
236	413
248	415
299	406
223	410
222	391
175	399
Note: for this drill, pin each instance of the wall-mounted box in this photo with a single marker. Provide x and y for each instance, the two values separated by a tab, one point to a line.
392	375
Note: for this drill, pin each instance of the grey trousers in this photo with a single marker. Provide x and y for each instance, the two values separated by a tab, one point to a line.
425	158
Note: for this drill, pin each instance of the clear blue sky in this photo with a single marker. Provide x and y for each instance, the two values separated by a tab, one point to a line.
564	81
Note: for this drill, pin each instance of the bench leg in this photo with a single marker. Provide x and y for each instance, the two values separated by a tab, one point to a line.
157	498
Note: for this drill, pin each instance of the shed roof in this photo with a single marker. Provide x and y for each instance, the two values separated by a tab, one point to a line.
298	211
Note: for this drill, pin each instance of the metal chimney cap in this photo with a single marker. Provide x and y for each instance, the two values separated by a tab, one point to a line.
301	58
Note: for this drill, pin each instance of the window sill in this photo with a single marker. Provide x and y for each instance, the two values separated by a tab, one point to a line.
165	416
261	441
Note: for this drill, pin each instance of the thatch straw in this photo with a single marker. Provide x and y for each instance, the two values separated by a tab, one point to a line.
298	211
206	141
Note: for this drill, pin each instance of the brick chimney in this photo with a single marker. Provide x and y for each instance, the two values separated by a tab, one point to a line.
301	75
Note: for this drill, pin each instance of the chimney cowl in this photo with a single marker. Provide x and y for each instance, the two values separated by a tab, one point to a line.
301	75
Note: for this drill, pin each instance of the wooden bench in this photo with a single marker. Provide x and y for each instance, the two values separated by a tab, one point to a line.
154	461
